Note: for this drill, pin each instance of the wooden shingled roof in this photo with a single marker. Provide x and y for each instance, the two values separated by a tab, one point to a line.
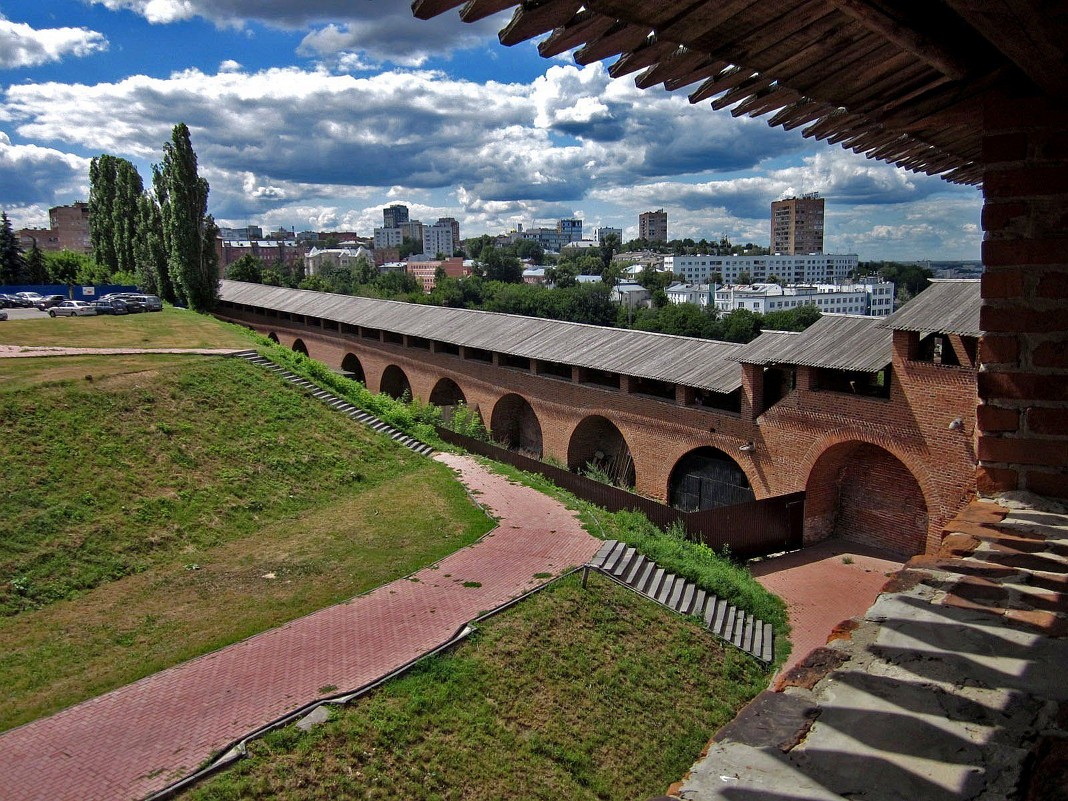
903	81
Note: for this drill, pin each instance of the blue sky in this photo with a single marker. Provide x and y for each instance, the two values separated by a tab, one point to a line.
314	114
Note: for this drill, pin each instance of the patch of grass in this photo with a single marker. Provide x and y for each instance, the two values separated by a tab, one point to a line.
671	550
170	328
578	694
472	584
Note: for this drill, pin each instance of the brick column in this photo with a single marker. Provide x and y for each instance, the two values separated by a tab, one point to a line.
752	391
1023	354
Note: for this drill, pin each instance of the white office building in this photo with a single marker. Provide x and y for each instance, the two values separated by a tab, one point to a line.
810	268
438	238
871	299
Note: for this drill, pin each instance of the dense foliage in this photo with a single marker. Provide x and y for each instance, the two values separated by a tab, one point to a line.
115	188
909	279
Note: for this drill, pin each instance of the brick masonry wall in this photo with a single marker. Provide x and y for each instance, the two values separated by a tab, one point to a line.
1023	379
795	441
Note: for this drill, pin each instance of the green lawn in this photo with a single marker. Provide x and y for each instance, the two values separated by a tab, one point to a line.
149	499
576	694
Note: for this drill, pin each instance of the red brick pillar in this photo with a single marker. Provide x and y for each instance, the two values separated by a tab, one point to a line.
1023	354
752	391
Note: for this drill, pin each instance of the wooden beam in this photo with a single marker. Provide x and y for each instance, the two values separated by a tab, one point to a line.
621	39
426	9
533	20
706	70
583	26
677	64
474	10
643	56
908	35
740	92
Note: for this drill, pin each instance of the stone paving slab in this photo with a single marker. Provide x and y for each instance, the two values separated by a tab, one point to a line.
137	739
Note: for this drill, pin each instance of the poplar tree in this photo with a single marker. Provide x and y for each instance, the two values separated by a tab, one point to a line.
114	189
150	255
183	200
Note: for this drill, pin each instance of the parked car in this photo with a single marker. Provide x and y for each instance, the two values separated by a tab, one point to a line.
9	301
72	308
48	301
3	314
152	302
134	304
110	306
27	299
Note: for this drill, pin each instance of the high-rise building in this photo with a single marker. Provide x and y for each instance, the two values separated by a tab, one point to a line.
394	216
652	226
797	225
570	229
441	237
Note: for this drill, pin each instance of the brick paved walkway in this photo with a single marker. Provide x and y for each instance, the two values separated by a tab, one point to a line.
823	585
139	738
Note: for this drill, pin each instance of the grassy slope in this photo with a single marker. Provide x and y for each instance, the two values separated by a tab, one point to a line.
572	694
143	508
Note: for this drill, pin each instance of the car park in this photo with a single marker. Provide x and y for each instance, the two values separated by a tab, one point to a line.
29	298
134	305
111	306
48	301
72	308
10	302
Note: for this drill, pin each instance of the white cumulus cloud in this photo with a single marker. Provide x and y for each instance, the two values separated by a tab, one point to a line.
24	46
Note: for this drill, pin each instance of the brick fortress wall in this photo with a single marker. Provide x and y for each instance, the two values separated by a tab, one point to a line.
885	472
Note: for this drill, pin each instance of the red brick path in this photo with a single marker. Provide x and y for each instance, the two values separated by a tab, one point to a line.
139	738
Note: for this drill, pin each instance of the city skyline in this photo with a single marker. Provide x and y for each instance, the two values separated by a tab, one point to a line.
312	120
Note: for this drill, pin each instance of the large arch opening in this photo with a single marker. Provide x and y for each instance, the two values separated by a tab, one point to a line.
863	493
447	395
515	425
273	337
706	478
352	366
598	447
300	347
395	383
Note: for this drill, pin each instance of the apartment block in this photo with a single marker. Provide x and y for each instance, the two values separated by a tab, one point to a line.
653	226
797	225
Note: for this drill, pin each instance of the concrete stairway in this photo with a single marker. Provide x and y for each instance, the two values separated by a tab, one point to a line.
740	629
340	404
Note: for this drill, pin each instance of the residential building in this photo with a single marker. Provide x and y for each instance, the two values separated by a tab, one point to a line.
602	233
797	225
551	239
630	294
441	237
870	299
653	226
394	236
317	258
426	269
68	230
272	252
697	294
394	216
811	268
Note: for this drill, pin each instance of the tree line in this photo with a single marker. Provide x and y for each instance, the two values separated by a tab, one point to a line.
162	240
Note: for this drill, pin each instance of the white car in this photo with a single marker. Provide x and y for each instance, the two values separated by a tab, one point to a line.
72	308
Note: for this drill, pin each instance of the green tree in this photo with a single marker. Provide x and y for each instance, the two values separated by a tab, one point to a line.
115	188
271	277
364	272
183	199
499	266
36	269
12	261
744	277
70	267
150	254
394	283
247	268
